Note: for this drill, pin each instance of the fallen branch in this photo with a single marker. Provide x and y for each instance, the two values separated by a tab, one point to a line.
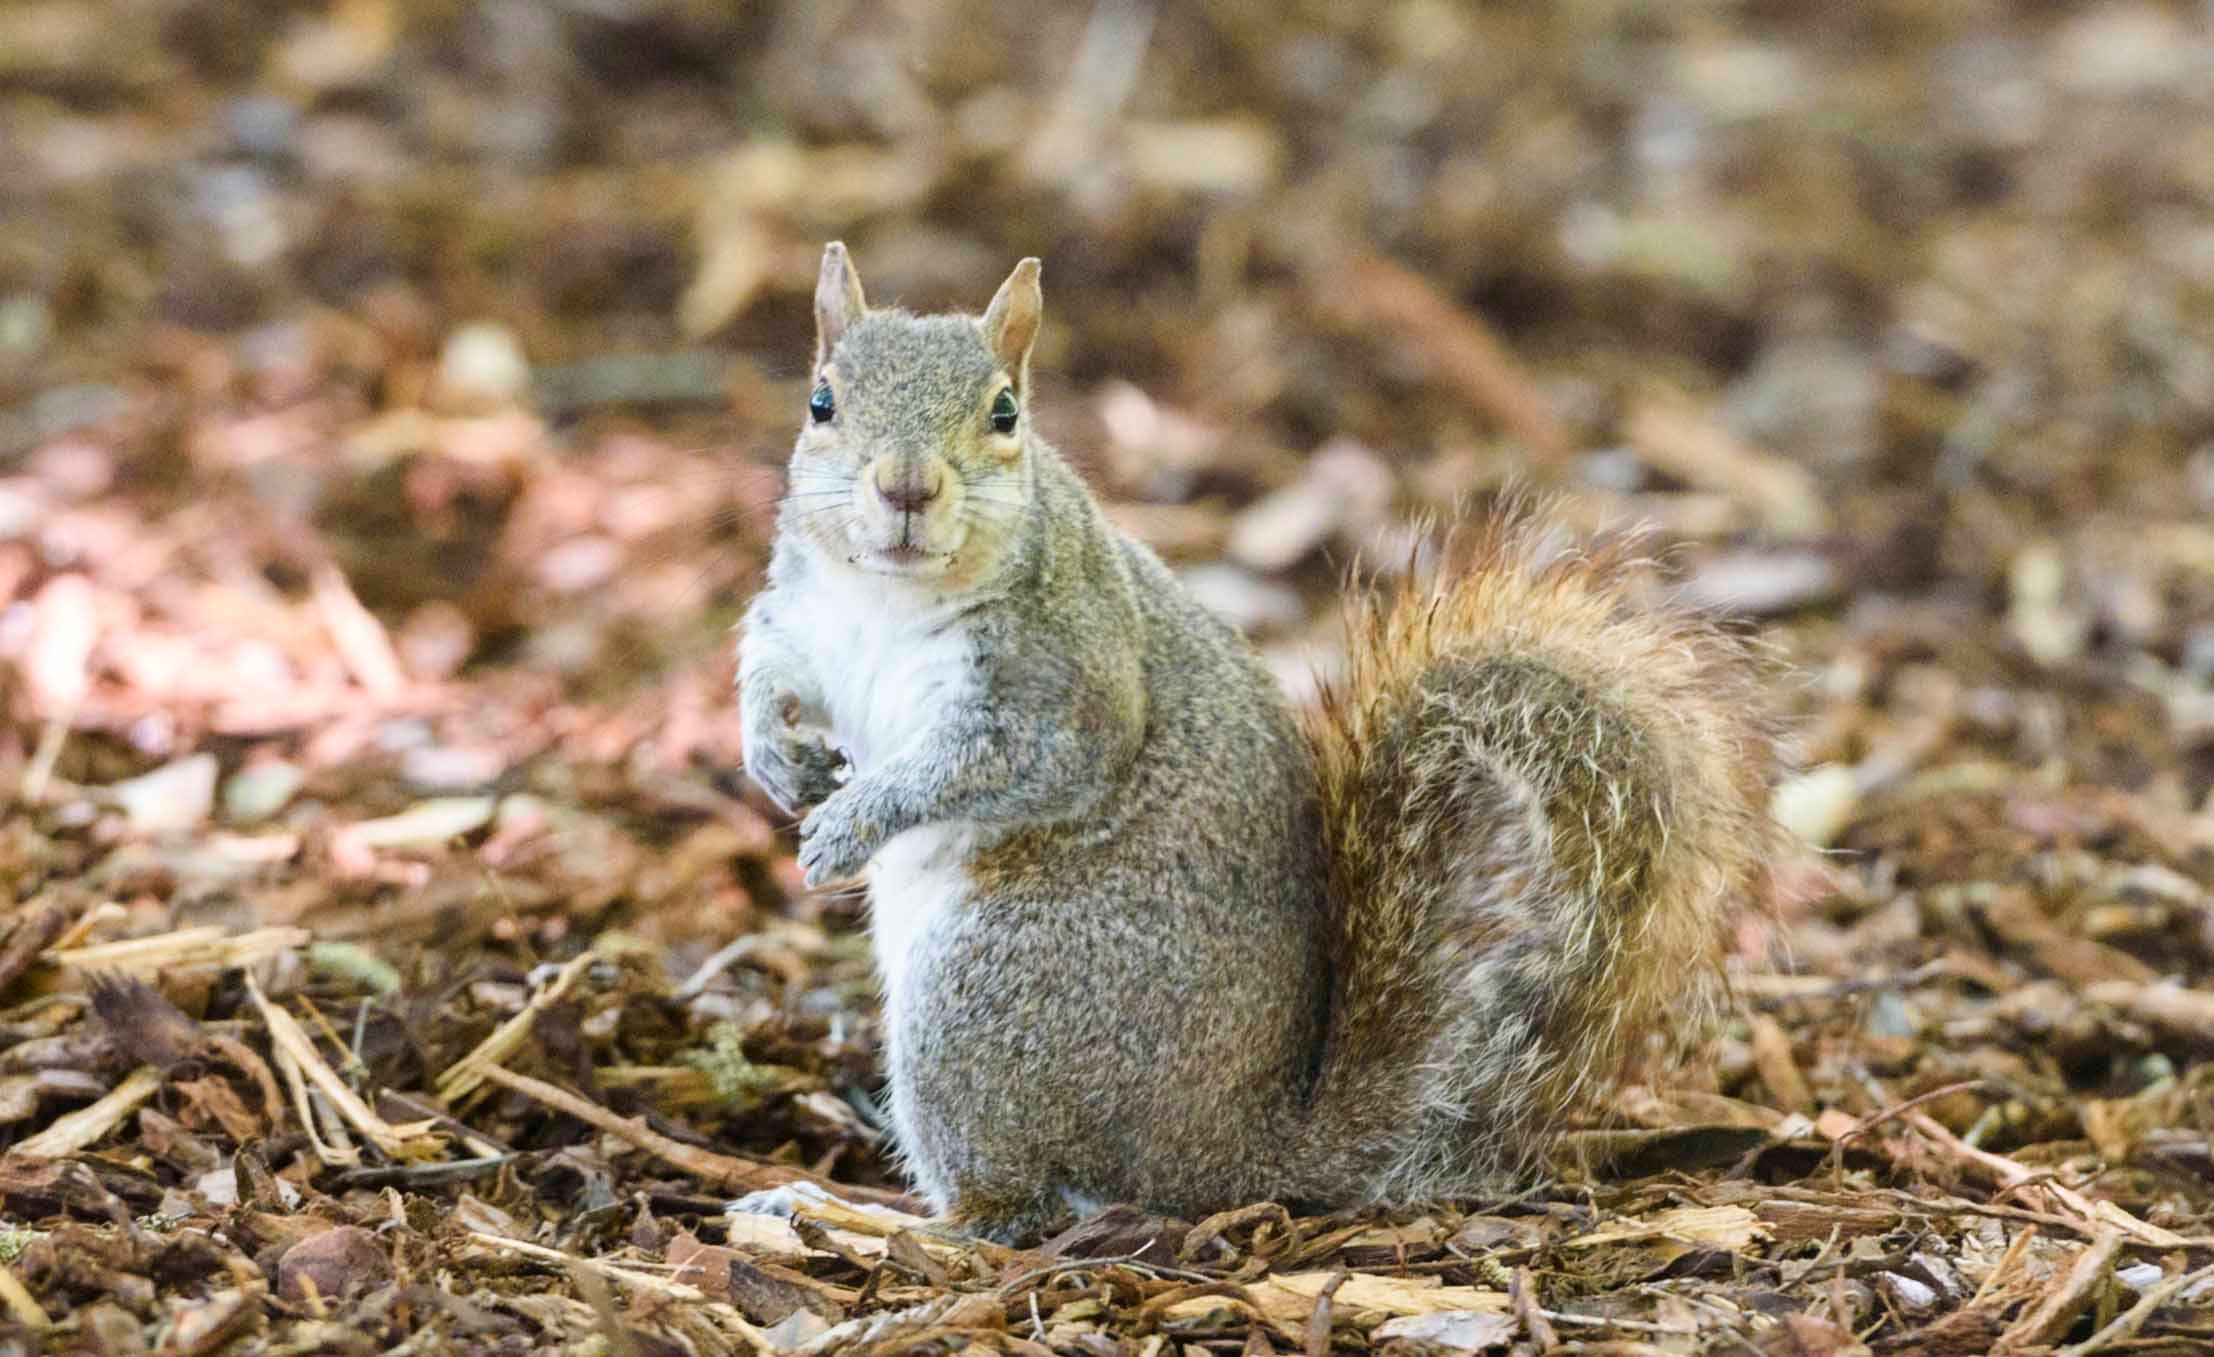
722	1170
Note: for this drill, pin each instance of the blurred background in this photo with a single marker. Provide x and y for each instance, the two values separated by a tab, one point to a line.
500	309
393	395
392	410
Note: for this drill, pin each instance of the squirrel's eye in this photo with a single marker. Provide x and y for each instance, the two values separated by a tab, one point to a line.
1004	411
820	405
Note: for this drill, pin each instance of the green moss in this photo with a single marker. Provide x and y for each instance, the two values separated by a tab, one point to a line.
14	1239
735	1079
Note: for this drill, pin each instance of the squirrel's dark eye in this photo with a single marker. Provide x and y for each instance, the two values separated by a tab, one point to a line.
820	405
1004	411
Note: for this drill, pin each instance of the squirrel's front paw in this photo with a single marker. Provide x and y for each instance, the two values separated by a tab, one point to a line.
794	769
837	840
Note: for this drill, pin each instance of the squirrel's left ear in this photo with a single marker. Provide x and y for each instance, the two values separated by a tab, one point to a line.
1011	321
838	300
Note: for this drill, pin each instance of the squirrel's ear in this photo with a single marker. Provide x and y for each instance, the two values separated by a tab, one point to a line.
838	300
1011	321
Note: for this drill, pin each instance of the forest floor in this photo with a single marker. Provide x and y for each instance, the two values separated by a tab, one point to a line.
395	960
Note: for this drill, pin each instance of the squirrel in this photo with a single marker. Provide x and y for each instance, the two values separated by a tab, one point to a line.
1144	935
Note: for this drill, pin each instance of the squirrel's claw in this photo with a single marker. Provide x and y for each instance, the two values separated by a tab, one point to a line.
833	842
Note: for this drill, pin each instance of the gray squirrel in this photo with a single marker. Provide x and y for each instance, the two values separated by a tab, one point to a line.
1143	934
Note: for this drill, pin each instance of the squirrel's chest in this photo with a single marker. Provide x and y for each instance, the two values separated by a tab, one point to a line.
886	672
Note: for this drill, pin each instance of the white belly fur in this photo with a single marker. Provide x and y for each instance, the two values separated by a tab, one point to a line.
916	880
888	665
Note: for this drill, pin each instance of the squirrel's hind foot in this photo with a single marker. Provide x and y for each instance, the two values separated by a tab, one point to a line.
1013	1218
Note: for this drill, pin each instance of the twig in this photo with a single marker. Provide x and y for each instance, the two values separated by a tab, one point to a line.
2010	1174
86	1125
21	1303
2087	1229
292	1044
2052	1315
725	957
2131	1320
207	945
1873	1120
74	936
1600	1322
1134	1261
739	1175
425	1175
2007	1260
614	1272
360	639
1779	989
1672	434
464	1075
1522	1294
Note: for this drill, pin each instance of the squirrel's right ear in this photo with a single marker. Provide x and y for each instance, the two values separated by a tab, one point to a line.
1011	321
838	300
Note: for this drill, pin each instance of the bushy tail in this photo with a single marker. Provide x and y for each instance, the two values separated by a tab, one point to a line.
1546	803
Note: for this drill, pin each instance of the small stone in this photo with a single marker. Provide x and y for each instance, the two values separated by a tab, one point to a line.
174	797
437	820
1617	469
1891	1016
342	1261
796	1330
1763	583
1817	804
2049	626
2122	49
1279	530
258	791
218	1188
1454	1330
25	324
1347	492
482	368
452	768
1241	598
1907	1293
262	124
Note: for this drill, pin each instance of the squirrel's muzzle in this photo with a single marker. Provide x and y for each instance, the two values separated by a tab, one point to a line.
907	484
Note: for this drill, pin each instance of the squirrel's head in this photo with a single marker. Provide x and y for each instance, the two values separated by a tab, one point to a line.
912	457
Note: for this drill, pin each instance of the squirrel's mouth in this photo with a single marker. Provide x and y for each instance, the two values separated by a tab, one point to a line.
904	559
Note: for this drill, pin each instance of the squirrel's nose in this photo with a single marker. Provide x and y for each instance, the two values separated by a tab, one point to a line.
907	492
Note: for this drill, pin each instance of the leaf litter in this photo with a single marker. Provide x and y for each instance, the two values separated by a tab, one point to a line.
394	960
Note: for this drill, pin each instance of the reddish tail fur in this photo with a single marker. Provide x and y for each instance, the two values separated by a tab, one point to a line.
1546	803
